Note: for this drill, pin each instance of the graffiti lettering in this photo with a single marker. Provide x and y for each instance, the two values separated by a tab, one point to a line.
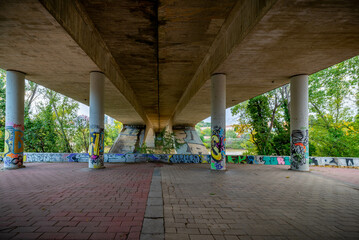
185	158
299	148
218	151
14	146
96	148
191	143
12	158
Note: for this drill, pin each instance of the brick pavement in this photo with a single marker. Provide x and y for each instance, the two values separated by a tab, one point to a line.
346	175
256	202
70	201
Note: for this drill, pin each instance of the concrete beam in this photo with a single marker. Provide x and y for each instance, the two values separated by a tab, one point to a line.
242	19
73	18
292	37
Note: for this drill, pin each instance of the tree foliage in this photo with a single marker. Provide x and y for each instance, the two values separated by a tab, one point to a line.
51	121
333	119
333	98
266	119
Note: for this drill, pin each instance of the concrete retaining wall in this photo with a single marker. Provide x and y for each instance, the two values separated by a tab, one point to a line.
186	158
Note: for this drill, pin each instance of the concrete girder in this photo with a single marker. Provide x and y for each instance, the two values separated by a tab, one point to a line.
33	41
74	20
289	38
241	20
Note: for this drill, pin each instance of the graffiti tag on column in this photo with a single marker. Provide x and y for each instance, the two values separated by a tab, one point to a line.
96	148
218	151
14	145
299	147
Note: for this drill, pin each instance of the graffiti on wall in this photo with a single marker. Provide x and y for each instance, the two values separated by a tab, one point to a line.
14	146
131	136
96	148
334	161
186	158
191	143
218	149
299	148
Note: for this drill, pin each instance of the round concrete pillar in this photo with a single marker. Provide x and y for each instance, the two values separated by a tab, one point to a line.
218	122
299	138
96	147
14	120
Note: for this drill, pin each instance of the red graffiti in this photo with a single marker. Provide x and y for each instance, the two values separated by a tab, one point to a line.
17	126
301	144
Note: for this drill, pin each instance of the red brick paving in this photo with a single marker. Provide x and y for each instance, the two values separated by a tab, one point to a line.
345	175
69	201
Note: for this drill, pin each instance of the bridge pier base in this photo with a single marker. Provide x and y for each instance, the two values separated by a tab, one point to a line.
218	122
96	147
191	142
299	138
150	136
14	120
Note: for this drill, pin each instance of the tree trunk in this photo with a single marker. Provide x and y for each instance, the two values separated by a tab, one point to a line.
68	146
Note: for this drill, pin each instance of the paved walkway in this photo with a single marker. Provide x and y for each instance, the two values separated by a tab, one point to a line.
69	201
256	202
179	201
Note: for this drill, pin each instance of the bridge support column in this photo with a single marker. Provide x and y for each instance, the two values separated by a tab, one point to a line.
299	139
150	137
96	148
218	122
14	120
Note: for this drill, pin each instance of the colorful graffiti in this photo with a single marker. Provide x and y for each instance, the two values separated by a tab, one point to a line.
299	148
191	142
14	146
130	137
186	158
96	148
218	148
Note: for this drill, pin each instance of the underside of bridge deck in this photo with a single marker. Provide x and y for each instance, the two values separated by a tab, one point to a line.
158	56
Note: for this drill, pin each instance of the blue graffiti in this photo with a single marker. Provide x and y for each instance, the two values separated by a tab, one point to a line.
185	158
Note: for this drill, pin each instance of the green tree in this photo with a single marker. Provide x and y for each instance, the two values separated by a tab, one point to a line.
266	119
231	134
111	134
82	133
333	122
65	110
40	130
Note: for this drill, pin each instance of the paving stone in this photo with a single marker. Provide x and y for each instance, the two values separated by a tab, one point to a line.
157	201
154	212
258	201
147	236
56	200
172	236
246	202
155	194
201	237
152	226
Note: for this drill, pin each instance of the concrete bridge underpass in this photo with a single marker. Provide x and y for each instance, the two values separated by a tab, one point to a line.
157	64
